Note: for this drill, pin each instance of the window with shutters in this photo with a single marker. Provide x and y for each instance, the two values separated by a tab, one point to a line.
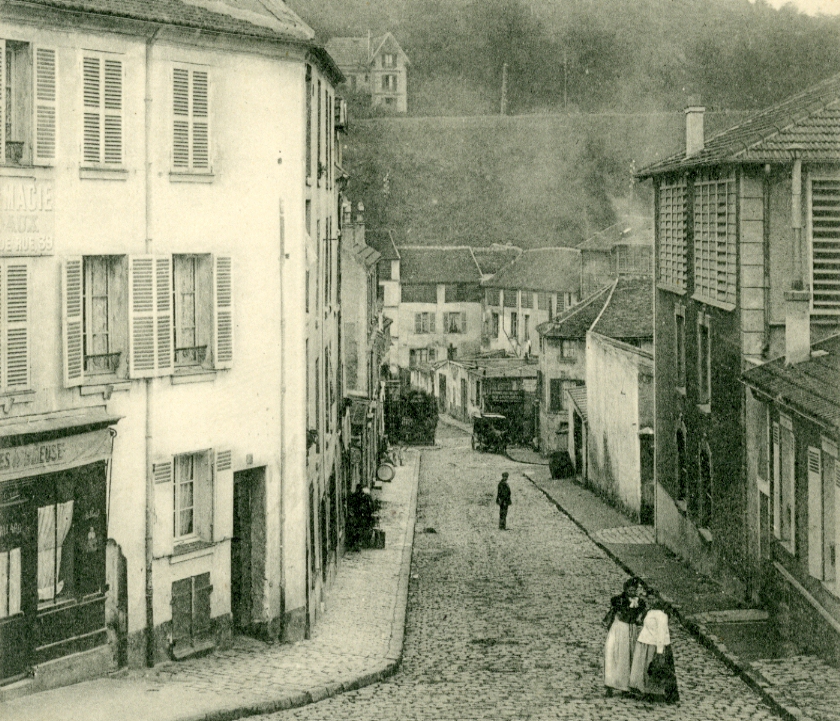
514	325
555	399
424	323
15	340
191	622
192	498
511	298
190	120
202	306
492	296
102	110
715	239
28	103
671	240
455	322
494	325
389	83
527	298
825	248
104	318
787	470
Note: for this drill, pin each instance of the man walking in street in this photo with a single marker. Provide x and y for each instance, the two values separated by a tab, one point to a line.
503	500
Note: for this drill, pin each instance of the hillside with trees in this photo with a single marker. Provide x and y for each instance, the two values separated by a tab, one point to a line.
592	55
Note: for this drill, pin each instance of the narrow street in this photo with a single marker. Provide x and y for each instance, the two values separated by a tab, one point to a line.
507	624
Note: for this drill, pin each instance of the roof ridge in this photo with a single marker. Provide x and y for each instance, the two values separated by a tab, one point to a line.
606	303
575	309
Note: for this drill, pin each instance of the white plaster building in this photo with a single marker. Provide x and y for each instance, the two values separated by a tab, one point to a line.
167	189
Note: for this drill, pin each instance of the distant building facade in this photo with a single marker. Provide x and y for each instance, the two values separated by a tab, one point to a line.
375	66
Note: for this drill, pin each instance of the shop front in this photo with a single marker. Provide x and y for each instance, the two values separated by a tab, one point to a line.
53	533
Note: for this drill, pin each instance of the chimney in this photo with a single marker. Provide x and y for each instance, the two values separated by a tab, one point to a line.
798	298
694	140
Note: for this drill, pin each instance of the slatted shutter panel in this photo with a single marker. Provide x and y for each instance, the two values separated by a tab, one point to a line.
825	219
73	326
180	118
182	592
464	322
45	111
815	520
17	325
164	338
202	590
112	111
200	121
164	526
141	316
223	495
777	483
3	103
223	311
418	323
92	117
432	322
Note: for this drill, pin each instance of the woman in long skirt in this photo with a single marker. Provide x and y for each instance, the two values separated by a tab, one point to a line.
623	620
652	673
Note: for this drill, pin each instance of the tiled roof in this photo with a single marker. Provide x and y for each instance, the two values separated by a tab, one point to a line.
492	259
811	387
578	396
806	125
577	320
383	241
349	52
268	19
628	312
429	264
552	270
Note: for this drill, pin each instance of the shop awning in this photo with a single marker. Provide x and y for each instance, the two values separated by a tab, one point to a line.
56	421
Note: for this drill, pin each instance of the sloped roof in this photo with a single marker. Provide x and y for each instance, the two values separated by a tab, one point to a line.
628	312
553	270
378	44
260	18
806	125
349	52
383	241
495	257
578	396
577	320
811	387
430	264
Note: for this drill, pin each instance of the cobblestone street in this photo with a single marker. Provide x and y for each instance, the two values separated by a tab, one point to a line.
507	624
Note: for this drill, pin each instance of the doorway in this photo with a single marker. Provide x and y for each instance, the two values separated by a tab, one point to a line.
248	539
442	393
646	511
578	443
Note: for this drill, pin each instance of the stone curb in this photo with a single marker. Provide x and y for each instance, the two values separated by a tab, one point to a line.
379	673
744	671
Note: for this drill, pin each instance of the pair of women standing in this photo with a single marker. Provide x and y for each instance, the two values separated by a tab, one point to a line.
637	653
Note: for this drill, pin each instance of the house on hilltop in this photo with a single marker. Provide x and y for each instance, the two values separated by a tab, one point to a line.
375	66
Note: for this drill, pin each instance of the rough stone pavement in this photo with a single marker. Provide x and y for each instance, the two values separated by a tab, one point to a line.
506	624
357	641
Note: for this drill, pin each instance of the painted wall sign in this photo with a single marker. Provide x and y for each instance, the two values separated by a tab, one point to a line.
56	455
27	216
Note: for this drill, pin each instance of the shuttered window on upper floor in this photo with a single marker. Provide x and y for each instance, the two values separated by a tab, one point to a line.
102	101
672	248
825	248
190	120
715	236
15	334
28	115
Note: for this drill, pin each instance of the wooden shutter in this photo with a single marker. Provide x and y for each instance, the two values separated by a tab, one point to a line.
112	112
201	609
182	592
815	520
164	338
180	118
825	219
16	332
223	311
418	323
200	121
141	316
45	106
164	526
92	114
463	321
223	495
72	305
777	483
2	100
432	322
